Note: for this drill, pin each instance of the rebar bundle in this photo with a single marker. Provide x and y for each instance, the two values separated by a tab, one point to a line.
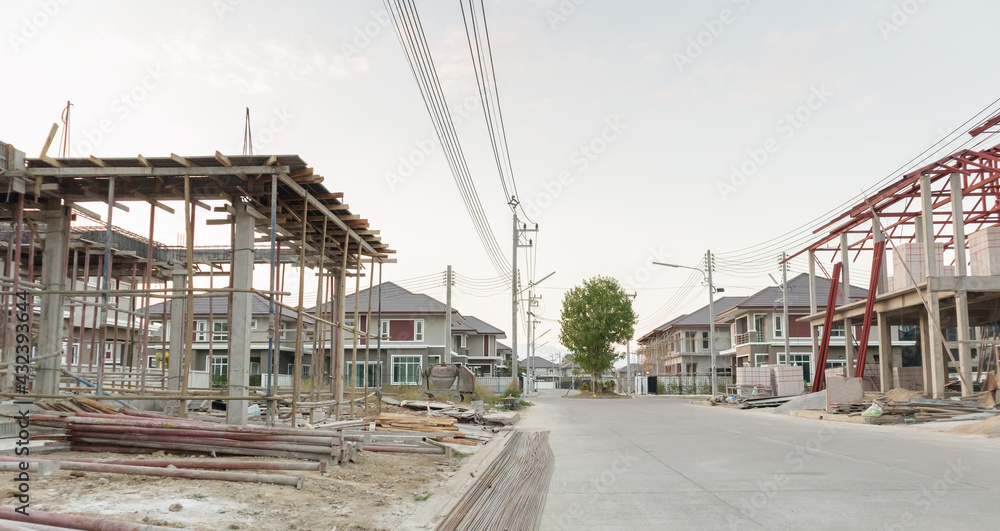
510	494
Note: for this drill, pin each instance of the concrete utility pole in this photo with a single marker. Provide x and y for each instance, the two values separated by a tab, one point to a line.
513	295
628	359
709	266
784	308
447	321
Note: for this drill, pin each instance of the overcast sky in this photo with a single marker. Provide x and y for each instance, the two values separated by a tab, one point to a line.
625	120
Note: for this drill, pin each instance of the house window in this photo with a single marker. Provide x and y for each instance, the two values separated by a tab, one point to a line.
405	370
253	324
349	323
152	362
200	328
359	378
704	341
418	330
283	334
690	341
254	367
433	359
220	365
111	351
760	359
220	330
384	329
837	330
778	328
305	369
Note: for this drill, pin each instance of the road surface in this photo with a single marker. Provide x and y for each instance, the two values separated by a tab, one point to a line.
662	463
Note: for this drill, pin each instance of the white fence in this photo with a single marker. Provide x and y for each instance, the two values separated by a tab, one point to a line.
496	384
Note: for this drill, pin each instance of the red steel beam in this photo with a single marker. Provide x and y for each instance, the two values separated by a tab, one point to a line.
824	345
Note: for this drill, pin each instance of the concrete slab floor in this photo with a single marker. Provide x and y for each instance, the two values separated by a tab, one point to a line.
667	464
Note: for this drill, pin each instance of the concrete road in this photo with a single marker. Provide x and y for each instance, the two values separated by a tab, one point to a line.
661	463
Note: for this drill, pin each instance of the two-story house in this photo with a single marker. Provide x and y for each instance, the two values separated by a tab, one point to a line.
758	328
210	340
412	337
682	346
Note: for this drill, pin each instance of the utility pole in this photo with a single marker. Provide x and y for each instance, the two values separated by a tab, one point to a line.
513	294
628	358
709	266
447	321
786	331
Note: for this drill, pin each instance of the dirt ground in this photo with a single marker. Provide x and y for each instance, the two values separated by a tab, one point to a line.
377	492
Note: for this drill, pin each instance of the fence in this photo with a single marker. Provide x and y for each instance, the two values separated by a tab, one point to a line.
496	384
688	384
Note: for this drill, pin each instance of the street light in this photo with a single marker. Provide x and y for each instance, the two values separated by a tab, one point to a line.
711	310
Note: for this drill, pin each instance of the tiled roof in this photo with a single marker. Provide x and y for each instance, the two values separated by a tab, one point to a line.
218	306
798	294
394	299
482	327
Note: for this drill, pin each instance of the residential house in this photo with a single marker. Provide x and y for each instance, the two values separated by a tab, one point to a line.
682	346
210	340
504	353
545	372
412	337
758	328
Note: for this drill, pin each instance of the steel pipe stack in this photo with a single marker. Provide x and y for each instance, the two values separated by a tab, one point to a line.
144	434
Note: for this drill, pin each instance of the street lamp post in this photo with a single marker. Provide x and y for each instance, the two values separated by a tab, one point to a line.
711	310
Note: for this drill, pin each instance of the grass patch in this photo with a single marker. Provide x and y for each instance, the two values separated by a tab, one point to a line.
403	392
422	497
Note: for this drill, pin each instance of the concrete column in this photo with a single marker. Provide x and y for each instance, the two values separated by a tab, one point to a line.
927	225
177	304
936	349
240	313
814	339
845	258
885	354
925	352
962	295
50	334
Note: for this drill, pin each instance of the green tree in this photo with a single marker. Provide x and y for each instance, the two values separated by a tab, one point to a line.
594	317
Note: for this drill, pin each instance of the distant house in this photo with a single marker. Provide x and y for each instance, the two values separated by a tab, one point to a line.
546	373
412	337
210	340
681	345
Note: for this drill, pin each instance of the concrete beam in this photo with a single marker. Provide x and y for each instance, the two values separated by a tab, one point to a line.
961	296
175	360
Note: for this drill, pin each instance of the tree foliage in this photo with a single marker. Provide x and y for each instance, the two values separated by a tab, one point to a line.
594	317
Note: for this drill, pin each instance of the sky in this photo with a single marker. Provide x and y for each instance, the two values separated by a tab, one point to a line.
638	131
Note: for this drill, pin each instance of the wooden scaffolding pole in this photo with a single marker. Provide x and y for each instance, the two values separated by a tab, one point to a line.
297	364
368	336
189	318
354	333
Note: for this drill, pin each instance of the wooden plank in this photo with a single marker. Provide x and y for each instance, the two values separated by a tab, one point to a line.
48	141
181	160
144	161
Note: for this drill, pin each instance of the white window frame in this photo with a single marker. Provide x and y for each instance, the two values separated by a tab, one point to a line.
385	328
222	362
201	331
254	367
838	330
778	323
418	329
373	373
152	362
220	331
433	359
253	324
282	334
392	372
757	356
349	323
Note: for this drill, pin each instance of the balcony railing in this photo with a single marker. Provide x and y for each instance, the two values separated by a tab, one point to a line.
742	339
747	337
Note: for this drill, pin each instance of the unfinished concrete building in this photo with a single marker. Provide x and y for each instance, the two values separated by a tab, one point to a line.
105	307
937	231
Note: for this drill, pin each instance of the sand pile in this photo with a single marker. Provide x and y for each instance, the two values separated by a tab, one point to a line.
990	427
902	395
809	401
